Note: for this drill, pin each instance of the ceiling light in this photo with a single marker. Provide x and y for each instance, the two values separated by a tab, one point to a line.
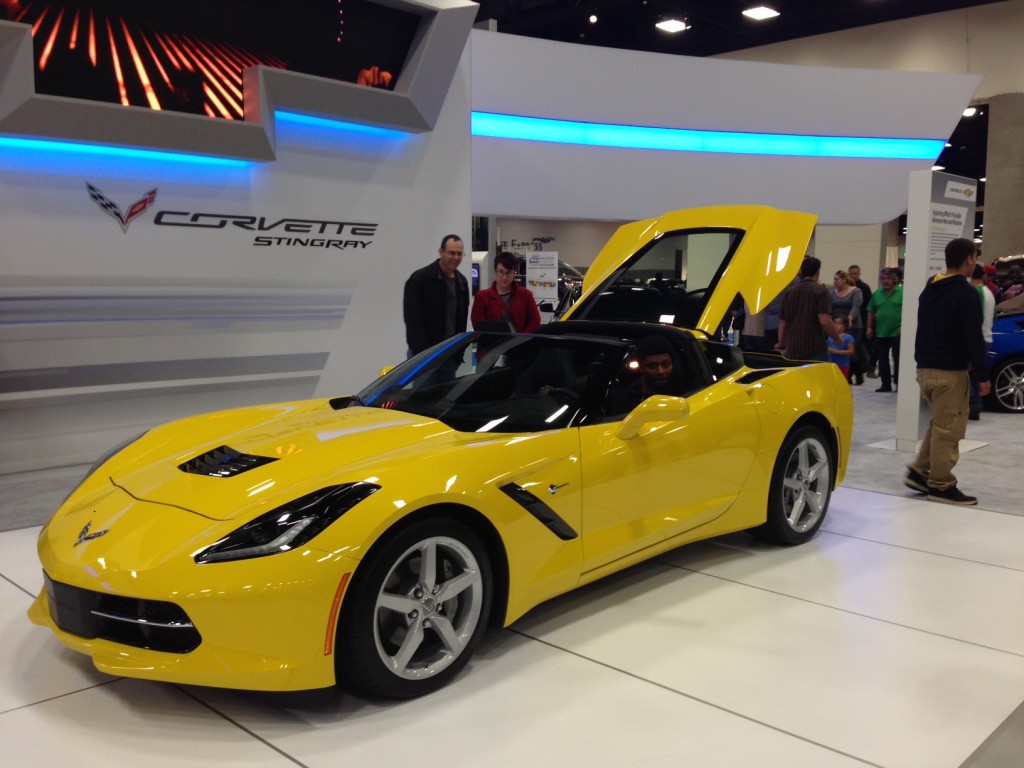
760	13
938	167
593	18
982	179
672	25
970	112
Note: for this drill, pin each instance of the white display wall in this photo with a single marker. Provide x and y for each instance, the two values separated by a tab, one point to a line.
106	331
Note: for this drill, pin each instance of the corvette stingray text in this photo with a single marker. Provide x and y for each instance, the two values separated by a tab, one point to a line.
301	233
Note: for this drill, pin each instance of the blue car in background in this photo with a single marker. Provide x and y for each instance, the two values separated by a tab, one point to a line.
1006	362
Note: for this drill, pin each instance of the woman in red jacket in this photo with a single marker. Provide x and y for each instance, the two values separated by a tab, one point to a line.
505	300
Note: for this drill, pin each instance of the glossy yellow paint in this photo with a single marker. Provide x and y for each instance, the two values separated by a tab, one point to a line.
679	471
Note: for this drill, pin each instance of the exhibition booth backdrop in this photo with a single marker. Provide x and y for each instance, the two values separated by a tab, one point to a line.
137	288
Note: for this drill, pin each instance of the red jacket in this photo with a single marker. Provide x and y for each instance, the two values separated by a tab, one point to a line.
522	308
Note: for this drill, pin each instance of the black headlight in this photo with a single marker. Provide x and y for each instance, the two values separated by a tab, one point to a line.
288	526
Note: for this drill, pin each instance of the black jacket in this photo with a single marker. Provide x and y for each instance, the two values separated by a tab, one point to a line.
423	306
865	291
949	327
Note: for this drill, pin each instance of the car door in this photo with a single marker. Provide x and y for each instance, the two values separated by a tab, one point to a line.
704	257
671	477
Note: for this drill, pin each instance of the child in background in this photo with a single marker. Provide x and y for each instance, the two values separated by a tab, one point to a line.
842	356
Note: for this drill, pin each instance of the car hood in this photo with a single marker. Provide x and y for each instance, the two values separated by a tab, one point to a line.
222	466
762	266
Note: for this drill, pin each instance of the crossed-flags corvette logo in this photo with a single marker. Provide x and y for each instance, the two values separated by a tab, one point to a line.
84	535
135	210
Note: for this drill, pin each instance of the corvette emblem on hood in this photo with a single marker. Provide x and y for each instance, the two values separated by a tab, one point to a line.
84	535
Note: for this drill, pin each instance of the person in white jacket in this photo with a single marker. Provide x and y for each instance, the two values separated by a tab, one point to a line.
988	313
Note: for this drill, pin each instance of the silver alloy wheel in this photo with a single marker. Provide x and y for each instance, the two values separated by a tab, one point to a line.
428	608
806	483
1008	386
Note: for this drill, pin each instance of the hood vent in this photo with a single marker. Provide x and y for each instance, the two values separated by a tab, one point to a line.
223	462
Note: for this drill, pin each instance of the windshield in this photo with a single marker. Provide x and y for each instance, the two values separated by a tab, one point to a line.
667	281
484	382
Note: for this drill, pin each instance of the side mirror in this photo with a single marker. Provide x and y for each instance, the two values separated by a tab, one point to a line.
653	409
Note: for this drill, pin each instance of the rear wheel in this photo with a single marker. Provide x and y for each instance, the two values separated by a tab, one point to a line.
800	490
415	612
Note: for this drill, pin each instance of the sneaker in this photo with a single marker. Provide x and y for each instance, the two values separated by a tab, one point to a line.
916	481
884	389
951	495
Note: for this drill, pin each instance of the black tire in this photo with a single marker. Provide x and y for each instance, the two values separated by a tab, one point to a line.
1008	386
408	627
800	490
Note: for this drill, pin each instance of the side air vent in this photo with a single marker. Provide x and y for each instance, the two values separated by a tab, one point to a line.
223	462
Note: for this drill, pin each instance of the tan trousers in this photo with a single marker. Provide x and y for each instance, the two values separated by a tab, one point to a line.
948	395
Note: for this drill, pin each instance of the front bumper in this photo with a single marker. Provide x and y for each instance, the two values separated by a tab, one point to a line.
136	602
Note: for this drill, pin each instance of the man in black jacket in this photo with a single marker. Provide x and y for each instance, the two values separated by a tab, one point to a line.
948	340
436	300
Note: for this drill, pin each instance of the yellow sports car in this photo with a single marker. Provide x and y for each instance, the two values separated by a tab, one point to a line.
369	540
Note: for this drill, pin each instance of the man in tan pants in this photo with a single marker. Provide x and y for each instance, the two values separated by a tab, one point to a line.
949	338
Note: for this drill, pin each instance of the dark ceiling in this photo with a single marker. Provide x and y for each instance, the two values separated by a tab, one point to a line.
716	26
719	26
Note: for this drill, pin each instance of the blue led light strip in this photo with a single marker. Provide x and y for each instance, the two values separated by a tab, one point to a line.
339	125
127	153
684	140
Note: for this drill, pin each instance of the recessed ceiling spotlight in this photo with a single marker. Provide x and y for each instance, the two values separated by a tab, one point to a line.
593	18
760	13
982	179
970	112
672	25
938	167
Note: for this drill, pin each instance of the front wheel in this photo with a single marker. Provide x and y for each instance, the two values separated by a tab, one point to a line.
800	490
1008	386
415	612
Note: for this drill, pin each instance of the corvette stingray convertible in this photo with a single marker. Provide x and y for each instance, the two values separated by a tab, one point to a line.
369	540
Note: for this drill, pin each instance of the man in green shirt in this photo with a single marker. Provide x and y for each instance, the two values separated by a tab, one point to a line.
885	315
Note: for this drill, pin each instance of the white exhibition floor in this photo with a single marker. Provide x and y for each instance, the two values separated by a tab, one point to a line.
895	638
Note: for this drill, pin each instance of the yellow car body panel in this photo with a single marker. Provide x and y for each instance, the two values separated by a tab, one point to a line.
134	528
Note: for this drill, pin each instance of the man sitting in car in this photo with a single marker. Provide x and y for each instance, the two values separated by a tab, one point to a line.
660	374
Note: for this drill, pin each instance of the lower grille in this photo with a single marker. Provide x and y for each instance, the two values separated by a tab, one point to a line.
151	624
